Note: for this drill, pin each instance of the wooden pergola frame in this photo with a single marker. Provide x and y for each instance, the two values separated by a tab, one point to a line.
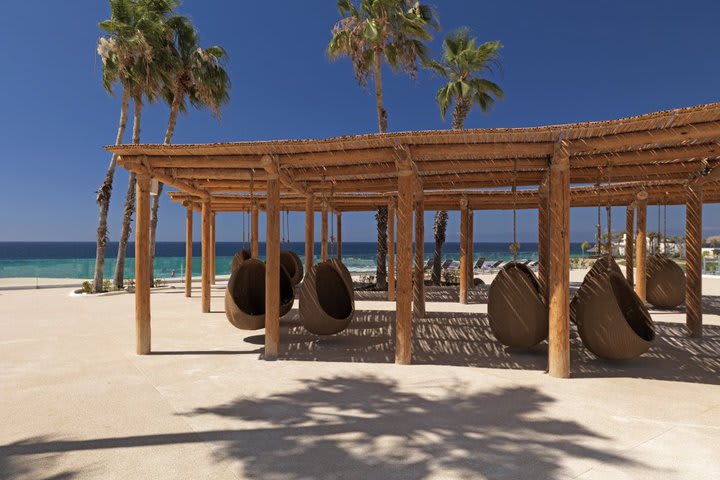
667	157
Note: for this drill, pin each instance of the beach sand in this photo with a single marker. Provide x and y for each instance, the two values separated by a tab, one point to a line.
77	402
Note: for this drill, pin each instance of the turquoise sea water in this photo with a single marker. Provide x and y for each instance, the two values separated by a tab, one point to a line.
77	259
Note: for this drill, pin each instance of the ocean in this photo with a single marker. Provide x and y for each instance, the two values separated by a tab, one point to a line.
77	259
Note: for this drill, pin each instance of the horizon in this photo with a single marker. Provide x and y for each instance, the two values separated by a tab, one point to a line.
587	74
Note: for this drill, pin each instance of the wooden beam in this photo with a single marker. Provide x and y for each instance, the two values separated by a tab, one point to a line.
206	256
419	283
693	255
543	236
213	256
255	230
324	232
142	266
391	249
188	251
272	265
403	307
309	233
471	250
464	227
558	275
641	246
338	217
629	237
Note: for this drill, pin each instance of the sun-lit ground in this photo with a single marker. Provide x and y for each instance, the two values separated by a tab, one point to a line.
75	401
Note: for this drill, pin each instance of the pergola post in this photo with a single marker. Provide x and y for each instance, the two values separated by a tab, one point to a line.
464	226
188	250
629	237
693	256
419	283
559	267
338	217
471	250
309	233
641	246
206	256
391	250
272	260
543	235
254	230
403	308
324	238
213	257
142	266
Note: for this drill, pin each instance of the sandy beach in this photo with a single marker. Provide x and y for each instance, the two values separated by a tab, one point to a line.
78	403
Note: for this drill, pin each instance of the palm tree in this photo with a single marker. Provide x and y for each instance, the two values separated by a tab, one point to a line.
124	53
149	61
461	65
584	246
439	227
391	29
198	76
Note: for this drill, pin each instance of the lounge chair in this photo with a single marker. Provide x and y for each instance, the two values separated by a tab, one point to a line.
478	265
429	264
493	265
446	264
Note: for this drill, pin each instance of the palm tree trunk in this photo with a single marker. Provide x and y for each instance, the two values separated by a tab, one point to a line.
169	132
381	273
440	227
118	279
381	113
103	199
460	113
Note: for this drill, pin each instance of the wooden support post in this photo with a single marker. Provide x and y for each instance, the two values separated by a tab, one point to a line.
629	237
543	236
213	257
693	256
339	236
188	251
324	238
419	284
142	266
272	263
641	246
391	250
254	230
471	250
464	226
403	307
206	256
559	267
309	233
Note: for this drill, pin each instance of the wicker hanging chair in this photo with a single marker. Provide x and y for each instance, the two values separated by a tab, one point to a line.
293	265
245	295
599	267
238	259
665	286
327	302
517	310
612	321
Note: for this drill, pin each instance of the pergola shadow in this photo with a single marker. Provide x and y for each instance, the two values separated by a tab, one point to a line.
465	339
477	294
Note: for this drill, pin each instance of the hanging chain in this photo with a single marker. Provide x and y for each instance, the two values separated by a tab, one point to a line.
514	200
287	227
608	209
665	250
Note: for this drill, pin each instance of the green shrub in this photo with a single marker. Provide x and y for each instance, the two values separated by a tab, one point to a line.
87	286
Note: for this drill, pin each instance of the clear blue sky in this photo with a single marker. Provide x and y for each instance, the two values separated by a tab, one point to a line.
563	61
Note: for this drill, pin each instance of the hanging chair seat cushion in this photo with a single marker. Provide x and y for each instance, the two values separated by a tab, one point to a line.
665	286
245	295
612	321
327	302
293	265
517	311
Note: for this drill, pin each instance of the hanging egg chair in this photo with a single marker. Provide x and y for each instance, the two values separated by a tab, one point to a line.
327	302
612	321
600	266
245	295
665	282
517	311
293	265
238	259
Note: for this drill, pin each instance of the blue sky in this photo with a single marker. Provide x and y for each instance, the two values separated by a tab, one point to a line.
563	61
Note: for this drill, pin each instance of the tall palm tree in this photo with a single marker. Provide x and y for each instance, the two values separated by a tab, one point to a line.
461	65
125	56
394	30
198	76
149	61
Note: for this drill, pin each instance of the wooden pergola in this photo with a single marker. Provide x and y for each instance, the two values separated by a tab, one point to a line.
667	157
